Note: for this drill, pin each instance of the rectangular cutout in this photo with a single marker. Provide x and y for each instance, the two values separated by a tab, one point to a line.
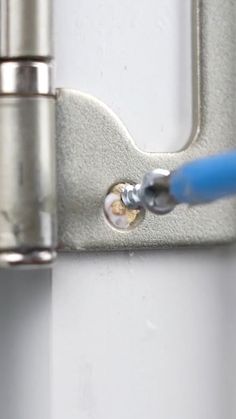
135	56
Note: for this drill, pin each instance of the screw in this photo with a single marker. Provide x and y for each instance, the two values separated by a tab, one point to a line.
152	194
117	213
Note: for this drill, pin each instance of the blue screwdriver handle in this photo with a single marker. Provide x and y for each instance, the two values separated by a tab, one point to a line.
205	180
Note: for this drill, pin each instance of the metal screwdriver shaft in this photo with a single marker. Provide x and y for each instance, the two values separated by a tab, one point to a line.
198	182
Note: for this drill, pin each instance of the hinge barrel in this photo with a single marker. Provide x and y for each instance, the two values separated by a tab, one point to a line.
28	226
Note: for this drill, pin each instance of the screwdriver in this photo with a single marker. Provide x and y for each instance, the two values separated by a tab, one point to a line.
198	182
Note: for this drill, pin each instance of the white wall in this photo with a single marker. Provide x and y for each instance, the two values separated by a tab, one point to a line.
134	335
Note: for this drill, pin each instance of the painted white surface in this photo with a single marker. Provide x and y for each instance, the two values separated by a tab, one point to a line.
135	335
147	334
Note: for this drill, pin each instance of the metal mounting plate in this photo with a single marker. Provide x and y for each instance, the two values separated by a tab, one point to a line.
95	151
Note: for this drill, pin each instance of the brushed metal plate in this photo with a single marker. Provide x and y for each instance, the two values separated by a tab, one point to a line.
95	151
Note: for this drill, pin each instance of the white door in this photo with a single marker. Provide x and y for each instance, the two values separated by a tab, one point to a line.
129	335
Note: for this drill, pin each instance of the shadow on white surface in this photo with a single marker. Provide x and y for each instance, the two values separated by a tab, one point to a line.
25	335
